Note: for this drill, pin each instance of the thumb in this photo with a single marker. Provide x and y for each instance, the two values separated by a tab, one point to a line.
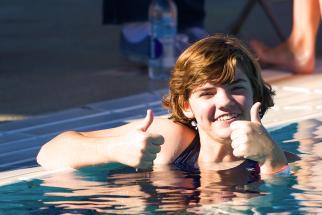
254	113
147	121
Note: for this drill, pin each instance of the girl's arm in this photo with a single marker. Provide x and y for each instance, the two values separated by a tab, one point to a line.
135	144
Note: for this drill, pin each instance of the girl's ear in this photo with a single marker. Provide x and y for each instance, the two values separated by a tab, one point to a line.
187	110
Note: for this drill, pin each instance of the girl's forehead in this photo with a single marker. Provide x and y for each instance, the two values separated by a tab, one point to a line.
239	75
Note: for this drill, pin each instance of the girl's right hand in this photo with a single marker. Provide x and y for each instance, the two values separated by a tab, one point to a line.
138	148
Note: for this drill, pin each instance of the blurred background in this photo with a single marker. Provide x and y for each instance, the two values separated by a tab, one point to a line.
57	54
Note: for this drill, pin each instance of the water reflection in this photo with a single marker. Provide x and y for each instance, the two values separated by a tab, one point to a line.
165	190
308	173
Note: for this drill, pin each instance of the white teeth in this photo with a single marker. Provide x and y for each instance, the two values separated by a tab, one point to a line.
227	117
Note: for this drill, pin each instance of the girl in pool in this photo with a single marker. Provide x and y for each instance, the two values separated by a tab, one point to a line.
216	100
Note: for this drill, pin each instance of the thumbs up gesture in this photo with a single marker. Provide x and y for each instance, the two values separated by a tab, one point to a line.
139	148
251	140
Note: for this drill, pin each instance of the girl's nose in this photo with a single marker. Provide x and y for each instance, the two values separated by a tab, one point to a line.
223	98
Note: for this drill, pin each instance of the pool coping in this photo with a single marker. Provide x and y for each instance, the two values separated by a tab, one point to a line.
18	175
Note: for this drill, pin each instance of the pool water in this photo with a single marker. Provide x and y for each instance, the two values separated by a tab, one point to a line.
116	189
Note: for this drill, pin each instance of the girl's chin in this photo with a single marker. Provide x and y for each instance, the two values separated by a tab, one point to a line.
224	124
223	133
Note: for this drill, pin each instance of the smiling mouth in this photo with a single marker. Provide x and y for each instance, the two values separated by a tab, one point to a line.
227	117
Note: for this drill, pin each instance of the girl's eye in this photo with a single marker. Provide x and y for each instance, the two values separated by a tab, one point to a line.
237	89
206	94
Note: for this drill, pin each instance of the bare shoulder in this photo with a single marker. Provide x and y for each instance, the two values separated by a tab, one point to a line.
177	138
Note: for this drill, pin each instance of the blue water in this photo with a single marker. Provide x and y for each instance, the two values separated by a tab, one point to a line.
121	190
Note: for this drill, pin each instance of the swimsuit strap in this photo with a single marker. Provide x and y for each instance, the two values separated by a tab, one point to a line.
188	158
251	166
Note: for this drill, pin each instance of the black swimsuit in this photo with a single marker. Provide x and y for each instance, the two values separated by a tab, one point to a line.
187	160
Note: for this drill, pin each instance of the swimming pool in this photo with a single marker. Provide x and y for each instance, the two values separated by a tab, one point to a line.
116	189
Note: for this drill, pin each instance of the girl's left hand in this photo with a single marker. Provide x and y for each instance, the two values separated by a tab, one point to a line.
251	140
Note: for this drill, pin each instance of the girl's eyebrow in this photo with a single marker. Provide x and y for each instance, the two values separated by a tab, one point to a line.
206	88
238	81
202	89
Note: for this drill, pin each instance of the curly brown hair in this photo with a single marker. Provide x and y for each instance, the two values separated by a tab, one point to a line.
215	60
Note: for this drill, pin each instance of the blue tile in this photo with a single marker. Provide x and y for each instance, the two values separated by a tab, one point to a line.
141	99
38	121
22	145
12	137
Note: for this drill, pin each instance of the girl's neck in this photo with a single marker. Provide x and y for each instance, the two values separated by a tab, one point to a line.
215	151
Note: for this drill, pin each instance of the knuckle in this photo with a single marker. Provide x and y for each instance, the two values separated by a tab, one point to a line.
246	139
233	144
248	130
154	156
233	136
150	164
142	136
161	139
138	159
235	153
146	165
142	146
145	138
243	147
158	149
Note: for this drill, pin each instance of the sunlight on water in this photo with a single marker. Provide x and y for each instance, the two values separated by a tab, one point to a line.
121	190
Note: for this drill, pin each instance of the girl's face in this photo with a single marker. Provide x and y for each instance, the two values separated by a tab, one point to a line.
216	107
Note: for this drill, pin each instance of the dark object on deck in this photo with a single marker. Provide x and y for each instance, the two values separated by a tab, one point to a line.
235	27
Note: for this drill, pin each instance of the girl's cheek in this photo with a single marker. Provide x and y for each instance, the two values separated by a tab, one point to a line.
242	100
245	103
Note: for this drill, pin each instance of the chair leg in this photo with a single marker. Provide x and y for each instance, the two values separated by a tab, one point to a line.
272	19
236	26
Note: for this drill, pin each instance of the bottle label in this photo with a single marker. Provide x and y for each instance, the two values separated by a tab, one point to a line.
156	48
164	27
163	33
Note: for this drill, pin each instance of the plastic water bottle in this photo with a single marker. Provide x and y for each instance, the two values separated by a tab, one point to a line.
163	29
